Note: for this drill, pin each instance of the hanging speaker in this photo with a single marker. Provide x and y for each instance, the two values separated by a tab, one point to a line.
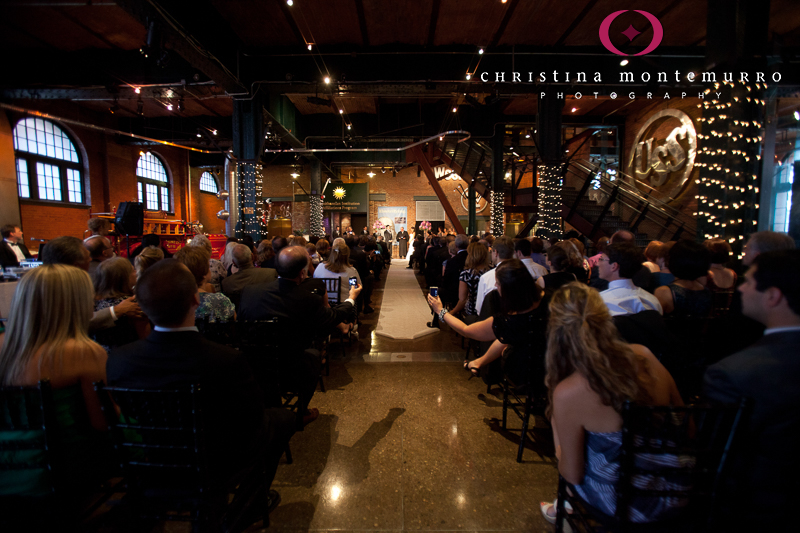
130	218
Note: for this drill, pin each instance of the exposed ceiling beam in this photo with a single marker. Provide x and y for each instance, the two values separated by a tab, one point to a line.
425	165
362	22
575	22
184	44
434	21
501	29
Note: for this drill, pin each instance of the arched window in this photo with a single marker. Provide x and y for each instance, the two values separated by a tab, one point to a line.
48	167
208	183
153	183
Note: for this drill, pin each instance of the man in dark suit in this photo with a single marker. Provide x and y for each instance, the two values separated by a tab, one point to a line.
448	291
365	231
336	234
240	432
12	249
765	465
232	286
359	260
387	236
402	241
303	317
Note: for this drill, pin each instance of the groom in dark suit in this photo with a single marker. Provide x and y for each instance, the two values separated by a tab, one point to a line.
239	431
12	249
765	469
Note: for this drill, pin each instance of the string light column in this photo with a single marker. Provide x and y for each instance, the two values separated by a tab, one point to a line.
315	203
550	186
250	186
729	154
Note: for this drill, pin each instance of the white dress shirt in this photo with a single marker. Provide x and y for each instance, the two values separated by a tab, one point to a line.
536	270
624	298
485	285
15	247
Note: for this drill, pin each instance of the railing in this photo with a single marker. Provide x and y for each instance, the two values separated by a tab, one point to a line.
645	211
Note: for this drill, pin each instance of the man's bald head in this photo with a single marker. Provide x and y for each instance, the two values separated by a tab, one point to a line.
292	262
97	245
623	235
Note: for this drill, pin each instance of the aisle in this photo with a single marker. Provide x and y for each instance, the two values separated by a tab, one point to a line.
404	311
412	447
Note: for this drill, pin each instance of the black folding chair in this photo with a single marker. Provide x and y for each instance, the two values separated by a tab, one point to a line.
682	451
220	332
31	450
160	440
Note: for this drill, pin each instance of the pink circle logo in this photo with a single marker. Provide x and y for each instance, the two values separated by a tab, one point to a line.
631	32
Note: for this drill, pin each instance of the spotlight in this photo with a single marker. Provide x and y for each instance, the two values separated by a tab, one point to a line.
295	175
455	109
468	77
797	115
349	126
213	132
137	90
480	51
169	107
309	46
327	79
341	111
371	174
574	109
623	62
290	3
383	170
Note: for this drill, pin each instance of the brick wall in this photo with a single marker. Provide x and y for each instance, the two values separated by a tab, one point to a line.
109	178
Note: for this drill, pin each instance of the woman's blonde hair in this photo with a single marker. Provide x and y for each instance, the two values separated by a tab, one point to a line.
227	256
323	248
149	257
52	304
581	337
339	258
112	279
477	258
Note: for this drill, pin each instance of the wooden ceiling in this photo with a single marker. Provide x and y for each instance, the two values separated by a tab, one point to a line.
93	51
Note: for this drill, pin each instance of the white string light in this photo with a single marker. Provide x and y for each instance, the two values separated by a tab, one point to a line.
550	184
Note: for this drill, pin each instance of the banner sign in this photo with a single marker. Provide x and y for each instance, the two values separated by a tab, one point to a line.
351	197
393	216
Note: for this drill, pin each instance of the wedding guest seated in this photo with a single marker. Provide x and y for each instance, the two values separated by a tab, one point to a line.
151	239
476	265
558	261
651	255
664	276
312	252
113	284
246	275
46	339
591	372
687	296
338	266
618	264
759	493
239	431
502	251
67	250
451	272
278	244
516	329
215	266
641	278
304	316
537	252
323	250
575	247
149	257
721	281
522	248
214	306
100	249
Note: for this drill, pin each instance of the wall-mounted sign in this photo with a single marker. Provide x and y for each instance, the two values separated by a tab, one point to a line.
351	197
664	152
442	172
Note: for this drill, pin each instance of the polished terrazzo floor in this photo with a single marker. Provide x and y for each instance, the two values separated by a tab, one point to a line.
405	442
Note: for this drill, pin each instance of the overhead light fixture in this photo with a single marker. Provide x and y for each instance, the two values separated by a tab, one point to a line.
441	138
349	126
527	135
290	3
574	109
468	77
371	174
137	90
222	193
213	132
797	115
309	46
295	175
455	109
341	111
223	214
199	134
623	62
169	107
327	79
383	170
480	50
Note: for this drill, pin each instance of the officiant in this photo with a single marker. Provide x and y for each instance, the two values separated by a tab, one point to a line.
402	240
